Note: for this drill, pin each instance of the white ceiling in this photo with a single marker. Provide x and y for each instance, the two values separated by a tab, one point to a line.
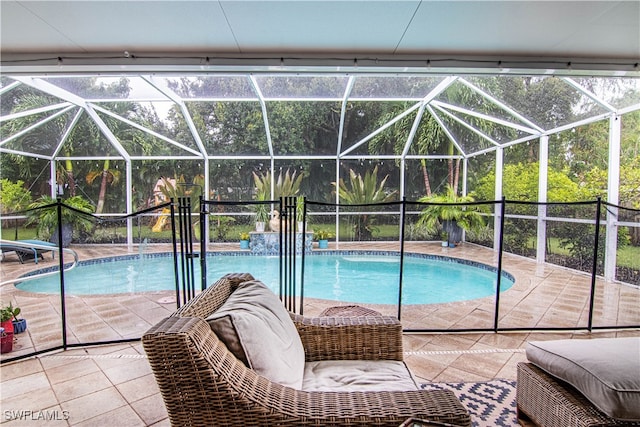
581	32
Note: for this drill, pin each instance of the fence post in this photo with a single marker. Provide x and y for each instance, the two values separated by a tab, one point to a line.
402	229
594	267
204	238
499	278
172	207
63	304
303	237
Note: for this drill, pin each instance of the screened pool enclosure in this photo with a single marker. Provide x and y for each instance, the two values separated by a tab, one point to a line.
542	168
112	138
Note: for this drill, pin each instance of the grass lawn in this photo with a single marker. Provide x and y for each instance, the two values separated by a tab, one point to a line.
627	256
23	233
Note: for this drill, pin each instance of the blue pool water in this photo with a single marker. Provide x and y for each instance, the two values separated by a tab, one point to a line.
342	276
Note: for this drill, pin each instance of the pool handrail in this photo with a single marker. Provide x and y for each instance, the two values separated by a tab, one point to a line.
31	245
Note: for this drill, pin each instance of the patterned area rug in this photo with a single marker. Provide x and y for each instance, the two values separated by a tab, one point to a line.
491	403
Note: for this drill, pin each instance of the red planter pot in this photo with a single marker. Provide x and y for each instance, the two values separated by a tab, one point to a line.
8	326
6	342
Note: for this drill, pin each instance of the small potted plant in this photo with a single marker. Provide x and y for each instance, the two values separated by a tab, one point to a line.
262	217
6	327
322	237
445	239
6	317
19	325
244	240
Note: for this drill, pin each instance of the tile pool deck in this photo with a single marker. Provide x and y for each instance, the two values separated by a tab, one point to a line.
113	384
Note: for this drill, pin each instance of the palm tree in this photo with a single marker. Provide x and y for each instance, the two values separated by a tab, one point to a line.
108	176
425	140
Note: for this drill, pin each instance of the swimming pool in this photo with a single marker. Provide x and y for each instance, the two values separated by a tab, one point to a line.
347	276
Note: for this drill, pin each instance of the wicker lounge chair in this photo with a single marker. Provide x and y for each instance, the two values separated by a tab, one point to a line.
543	400
581	383
203	383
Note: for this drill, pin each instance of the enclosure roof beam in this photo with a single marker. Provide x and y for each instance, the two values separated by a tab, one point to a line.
343	112
506	145
24	153
629	109
441	87
430	97
8	87
589	94
579	123
74	99
107	132
446	130
486	117
147	130
52	89
67	132
414	130
382	128
467	125
33	111
37	124
263	105
166	91
502	105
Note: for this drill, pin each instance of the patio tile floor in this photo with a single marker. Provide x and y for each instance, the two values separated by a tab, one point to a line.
113	384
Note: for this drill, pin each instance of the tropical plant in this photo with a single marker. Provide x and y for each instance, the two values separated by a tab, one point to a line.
362	191
287	184
43	212
448	211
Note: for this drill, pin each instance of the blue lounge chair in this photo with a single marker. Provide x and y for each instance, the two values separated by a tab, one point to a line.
27	249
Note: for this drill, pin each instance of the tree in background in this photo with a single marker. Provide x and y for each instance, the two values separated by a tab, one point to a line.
14	197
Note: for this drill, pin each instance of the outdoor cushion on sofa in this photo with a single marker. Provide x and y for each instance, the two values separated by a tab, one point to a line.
606	371
357	375
257	329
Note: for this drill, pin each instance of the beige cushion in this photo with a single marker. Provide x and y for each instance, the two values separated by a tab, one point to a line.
257	329
606	371
357	375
